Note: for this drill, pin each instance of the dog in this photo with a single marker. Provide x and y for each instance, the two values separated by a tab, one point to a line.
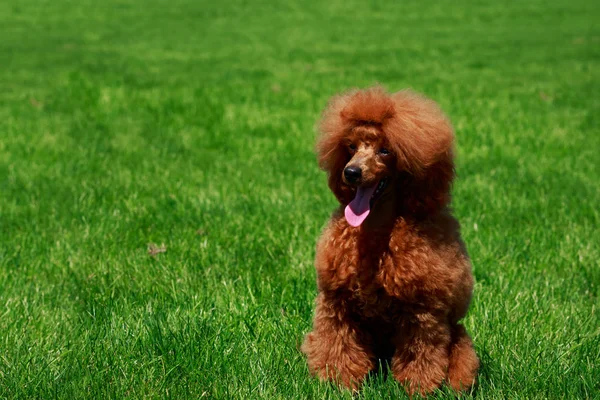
394	277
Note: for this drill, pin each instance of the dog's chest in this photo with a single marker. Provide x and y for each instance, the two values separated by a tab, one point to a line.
368	267
368	286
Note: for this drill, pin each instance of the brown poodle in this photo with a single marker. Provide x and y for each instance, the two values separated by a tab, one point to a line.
394	277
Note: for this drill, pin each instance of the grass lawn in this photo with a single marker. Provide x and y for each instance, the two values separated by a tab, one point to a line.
160	199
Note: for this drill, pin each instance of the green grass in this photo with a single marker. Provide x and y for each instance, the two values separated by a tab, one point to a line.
191	125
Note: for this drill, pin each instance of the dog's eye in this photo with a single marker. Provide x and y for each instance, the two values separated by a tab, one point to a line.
383	151
352	146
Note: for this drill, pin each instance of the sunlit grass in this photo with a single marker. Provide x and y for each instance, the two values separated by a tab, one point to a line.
160	200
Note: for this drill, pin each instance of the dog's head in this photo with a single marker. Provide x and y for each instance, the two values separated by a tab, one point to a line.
378	147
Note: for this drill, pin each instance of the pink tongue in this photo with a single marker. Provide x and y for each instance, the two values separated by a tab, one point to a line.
359	208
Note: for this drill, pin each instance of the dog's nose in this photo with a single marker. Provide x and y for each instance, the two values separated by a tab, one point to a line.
352	174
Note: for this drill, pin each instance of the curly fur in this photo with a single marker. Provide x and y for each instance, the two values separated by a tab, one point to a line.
395	287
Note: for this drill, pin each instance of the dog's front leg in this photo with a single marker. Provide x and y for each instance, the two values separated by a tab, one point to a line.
337	349
421	358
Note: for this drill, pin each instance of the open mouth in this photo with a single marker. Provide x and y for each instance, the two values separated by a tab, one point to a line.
379	190
359	208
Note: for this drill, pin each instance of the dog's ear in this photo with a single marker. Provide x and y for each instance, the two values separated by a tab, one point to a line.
332	151
428	192
422	138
